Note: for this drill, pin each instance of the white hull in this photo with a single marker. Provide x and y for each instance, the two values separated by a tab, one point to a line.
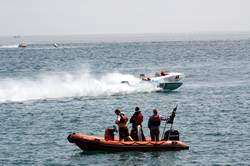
170	81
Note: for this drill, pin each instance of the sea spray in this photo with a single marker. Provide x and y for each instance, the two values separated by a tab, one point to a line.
9	46
81	83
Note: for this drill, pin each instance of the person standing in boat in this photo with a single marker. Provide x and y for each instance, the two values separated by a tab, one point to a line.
154	123
136	120
122	122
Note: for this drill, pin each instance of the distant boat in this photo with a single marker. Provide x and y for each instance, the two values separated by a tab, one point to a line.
55	45
22	45
17	36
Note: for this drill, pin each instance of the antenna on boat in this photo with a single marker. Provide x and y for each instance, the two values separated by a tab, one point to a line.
169	120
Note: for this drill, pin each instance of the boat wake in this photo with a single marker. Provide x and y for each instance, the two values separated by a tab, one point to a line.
9	46
48	86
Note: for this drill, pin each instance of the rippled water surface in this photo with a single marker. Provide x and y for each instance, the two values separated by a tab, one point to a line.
46	93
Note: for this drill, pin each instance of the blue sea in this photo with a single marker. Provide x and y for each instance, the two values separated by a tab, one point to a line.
48	92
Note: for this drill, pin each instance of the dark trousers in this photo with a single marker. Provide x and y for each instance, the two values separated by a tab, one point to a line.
154	133
123	133
137	133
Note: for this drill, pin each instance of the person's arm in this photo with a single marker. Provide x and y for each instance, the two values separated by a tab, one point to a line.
132	119
118	120
164	118
149	123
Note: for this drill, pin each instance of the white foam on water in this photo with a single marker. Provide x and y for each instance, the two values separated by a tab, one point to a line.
9	46
81	83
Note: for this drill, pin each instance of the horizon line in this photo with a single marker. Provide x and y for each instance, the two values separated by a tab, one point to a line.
130	34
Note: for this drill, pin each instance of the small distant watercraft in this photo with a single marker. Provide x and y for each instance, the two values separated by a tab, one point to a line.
109	142
55	45
22	45
164	80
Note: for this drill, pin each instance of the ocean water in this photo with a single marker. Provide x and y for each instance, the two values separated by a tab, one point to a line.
47	93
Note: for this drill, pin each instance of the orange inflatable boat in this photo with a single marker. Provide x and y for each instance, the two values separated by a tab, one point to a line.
111	143
90	143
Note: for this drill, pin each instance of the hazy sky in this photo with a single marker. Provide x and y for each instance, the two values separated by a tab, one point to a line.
65	17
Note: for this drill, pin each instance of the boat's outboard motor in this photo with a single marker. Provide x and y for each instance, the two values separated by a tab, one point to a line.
109	133
171	135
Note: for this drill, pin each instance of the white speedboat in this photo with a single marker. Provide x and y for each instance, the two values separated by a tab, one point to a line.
164	80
